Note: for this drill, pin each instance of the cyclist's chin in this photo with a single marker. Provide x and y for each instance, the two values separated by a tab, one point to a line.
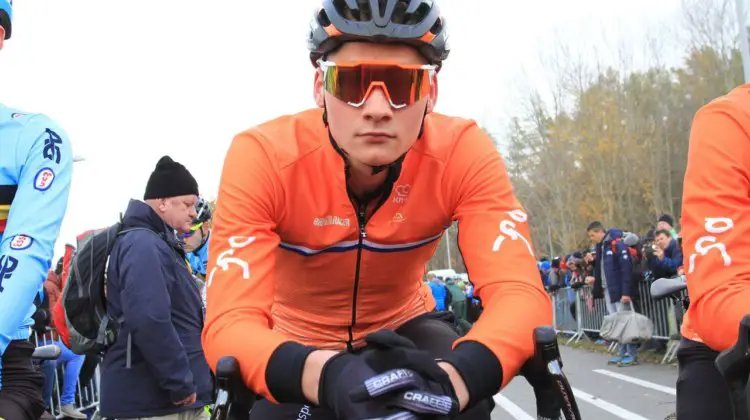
378	155
380	160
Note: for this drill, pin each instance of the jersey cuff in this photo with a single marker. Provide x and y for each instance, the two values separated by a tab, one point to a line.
479	368
284	372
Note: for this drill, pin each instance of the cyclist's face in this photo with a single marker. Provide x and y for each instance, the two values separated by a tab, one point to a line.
195	240
2	37
375	133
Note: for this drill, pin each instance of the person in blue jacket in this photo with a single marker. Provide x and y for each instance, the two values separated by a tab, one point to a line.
439	292
156	368
196	240
666	259
36	168
196	244
612	278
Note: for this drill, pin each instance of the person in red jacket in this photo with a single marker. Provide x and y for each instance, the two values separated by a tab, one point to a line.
58	312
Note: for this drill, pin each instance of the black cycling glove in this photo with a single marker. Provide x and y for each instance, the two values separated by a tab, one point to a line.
341	374
409	378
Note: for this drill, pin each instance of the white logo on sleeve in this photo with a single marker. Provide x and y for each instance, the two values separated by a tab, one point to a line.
227	257
508	230
704	244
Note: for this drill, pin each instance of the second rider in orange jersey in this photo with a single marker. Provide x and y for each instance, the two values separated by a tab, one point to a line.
716	245
326	220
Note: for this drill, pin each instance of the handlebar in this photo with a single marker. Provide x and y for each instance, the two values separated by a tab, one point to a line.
48	352
233	399
734	365
554	396
661	288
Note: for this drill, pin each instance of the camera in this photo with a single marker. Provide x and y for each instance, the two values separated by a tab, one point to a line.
649	249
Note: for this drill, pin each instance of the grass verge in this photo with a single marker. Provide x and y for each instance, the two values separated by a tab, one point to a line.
648	356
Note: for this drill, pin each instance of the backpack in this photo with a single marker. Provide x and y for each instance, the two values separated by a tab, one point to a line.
634	257
90	328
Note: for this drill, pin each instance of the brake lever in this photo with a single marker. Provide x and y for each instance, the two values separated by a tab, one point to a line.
734	365
554	396
233	398
226	369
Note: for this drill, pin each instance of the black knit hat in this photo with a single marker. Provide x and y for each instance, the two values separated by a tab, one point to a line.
170	179
667	218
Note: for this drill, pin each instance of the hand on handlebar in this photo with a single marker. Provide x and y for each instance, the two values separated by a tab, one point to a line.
411	378
390	379
341	374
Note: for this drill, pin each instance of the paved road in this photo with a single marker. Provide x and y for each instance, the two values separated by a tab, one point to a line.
642	392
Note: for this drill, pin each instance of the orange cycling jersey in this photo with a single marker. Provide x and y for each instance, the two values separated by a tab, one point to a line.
294	262
715	220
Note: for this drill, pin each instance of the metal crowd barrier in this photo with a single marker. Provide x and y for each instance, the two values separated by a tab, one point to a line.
577	314
86	398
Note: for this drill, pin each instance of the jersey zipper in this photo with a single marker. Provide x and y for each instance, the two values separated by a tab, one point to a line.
360	206
362	221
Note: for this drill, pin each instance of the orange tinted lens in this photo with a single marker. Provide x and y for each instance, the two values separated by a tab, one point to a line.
351	84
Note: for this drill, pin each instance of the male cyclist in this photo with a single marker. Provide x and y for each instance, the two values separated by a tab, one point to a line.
716	240
327	218
196	241
35	172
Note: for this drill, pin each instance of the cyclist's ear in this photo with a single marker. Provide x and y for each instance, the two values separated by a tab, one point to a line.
318	91
432	98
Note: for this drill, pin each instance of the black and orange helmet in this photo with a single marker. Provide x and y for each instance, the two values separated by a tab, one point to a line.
412	22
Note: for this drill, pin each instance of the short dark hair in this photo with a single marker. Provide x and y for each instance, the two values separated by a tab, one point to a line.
664	232
595	226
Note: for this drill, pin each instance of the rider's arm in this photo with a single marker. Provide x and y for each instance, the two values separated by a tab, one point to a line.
716	222
43	153
494	241
241	276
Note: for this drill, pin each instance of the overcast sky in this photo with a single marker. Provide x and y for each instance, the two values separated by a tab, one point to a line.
132	81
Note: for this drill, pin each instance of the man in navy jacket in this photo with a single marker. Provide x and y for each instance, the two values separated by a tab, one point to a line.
666	260
612	278
156	368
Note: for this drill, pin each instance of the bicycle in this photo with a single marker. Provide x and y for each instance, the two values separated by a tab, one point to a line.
671	288
48	352
734	366
554	396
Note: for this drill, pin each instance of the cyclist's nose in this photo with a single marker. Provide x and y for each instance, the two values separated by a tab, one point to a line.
377	107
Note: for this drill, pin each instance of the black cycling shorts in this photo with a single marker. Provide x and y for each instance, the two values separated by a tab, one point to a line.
433	332
21	395
702	392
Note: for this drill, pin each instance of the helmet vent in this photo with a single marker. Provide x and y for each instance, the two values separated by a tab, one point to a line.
323	19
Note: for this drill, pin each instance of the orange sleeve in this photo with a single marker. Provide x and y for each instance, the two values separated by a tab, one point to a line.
716	222
495	244
240	282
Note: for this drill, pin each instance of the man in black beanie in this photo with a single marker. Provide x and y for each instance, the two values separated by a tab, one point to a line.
172	192
666	222
156	368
